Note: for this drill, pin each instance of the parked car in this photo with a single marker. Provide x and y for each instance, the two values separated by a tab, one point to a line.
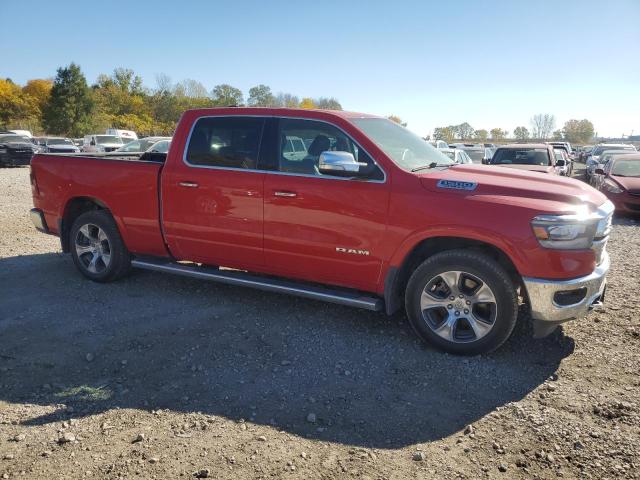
534	157
15	150
439	144
619	180
125	135
59	145
373	213
565	145
78	142
476	151
563	162
161	146
605	156
593	157
457	155
141	145
23	133
101	143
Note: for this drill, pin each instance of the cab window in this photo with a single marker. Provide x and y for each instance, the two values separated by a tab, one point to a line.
302	141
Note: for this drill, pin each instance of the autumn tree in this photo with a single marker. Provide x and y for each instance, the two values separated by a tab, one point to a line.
224	95
521	134
542	125
578	131
69	107
444	133
307	103
39	91
464	131
498	135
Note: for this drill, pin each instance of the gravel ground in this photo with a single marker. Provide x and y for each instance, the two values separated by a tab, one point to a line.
158	376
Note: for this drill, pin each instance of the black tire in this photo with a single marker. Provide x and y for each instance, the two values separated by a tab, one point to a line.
477	267
119	262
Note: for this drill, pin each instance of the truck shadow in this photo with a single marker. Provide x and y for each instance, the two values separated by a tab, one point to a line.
156	341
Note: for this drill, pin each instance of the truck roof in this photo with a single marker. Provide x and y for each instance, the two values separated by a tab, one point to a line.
278	111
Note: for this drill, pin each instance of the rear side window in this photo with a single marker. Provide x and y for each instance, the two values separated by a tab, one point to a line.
231	142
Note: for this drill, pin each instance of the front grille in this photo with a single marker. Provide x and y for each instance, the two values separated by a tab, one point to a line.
110	149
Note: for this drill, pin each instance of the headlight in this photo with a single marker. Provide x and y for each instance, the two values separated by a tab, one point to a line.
612	186
565	232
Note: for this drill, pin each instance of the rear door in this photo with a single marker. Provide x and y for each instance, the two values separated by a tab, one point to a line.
319	227
212	197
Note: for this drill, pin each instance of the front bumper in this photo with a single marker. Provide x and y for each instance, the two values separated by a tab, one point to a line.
544	295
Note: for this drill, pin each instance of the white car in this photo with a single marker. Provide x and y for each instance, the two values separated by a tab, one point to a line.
458	156
141	145
126	135
439	144
59	145
101	143
563	162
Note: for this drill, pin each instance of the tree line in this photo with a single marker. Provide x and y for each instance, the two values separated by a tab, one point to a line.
69	106
542	128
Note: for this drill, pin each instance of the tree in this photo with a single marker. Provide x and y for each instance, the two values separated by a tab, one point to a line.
13	106
69	107
287	100
397	119
191	89
498	135
444	133
226	95
521	134
557	135
464	131
328	103
39	91
578	131
481	135
543	124
260	96
307	103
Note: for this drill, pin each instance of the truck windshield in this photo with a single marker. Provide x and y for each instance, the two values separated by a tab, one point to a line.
405	148
101	139
506	156
59	141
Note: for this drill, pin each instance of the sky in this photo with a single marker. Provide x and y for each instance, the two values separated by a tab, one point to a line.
489	63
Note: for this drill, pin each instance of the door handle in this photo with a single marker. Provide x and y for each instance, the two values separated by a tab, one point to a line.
188	184
285	194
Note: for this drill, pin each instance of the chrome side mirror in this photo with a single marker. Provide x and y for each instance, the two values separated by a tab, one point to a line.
338	163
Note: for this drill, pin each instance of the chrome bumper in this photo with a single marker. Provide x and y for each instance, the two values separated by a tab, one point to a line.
542	293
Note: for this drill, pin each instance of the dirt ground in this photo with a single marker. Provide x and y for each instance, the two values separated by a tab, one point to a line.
159	377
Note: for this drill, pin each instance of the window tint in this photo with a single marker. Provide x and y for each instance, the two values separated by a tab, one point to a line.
232	142
302	142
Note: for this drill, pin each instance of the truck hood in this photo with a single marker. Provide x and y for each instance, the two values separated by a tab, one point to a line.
629	183
547	193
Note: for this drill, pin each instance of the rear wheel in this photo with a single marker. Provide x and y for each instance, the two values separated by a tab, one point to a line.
462	302
97	248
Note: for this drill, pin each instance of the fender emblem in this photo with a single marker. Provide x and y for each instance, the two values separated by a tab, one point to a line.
352	251
456	185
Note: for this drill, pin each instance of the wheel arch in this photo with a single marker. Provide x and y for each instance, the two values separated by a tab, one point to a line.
75	207
397	277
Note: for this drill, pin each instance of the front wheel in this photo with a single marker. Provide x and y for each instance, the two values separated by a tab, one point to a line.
97	248
462	302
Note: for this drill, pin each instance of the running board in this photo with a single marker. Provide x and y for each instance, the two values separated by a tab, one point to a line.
242	279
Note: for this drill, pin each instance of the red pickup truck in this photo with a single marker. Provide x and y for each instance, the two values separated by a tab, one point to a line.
337	206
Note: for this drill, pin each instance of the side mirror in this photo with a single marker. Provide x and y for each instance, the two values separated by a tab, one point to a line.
560	163
93	142
599	171
338	163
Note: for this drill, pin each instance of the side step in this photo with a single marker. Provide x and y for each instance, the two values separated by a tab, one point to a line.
350	298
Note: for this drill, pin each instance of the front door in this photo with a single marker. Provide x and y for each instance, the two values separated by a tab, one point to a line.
320	227
212	199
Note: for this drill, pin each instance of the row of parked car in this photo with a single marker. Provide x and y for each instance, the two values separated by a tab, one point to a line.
18	147
551	157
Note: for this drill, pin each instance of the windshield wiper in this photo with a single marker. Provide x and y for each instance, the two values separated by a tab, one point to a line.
431	165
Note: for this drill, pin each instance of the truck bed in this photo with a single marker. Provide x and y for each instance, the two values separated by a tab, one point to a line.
125	185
